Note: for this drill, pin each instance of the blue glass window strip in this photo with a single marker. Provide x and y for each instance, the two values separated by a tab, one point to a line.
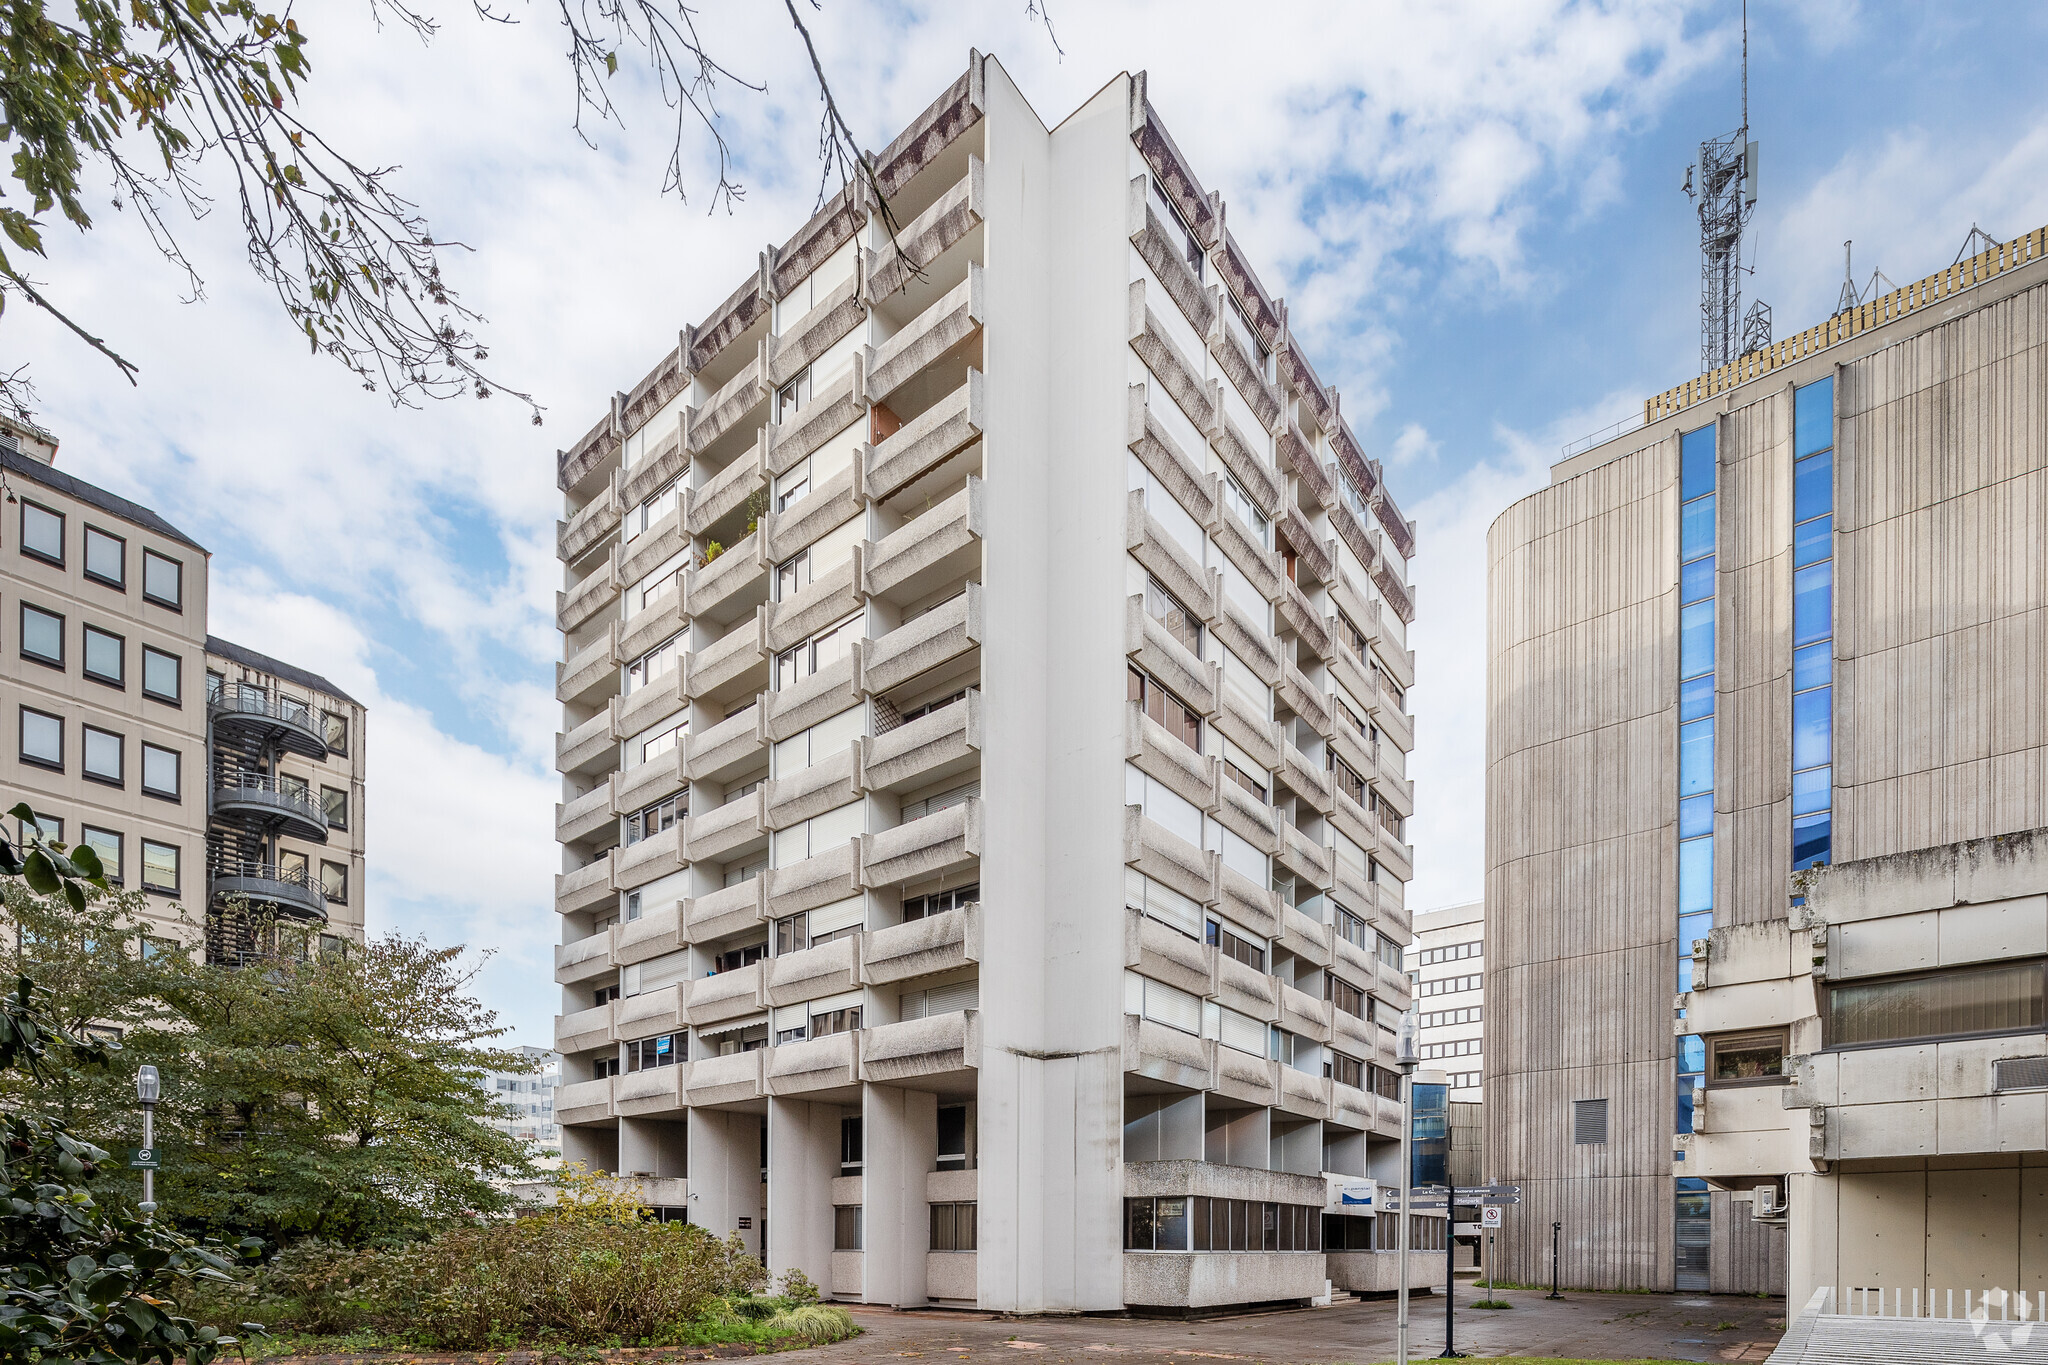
1695	817
1696	757
1812	839
1813	603
1692	1053
1695	880
1812	727
1696	640
1696	529
1696	464
1813	486
1812	790
1814	540
1691	927
1813	666
1684	985
1696	698
1813	417
1696	581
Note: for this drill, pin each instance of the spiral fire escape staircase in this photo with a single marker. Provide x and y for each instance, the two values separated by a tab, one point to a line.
251	802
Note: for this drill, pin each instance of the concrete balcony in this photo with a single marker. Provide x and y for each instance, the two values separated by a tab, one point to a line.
586	816
1393	784
730	995
935	1048
1164	954
657	1090
827	784
926	237
830	504
1308	862
729	586
1242	1076
1179	470
1302	1094
588	746
586	888
1245	374
592	670
1348	1105
585	1101
928	439
1258	564
944	842
921	947
832	596
732	1079
657	933
734	665
1395	856
1166	1054
1393	986
1302	1013
1241	723
1304	698
1304	778
820	879
1246	815
1169	263
662	617
1350	819
1247	638
586	1029
598	592
584	960
828	692
1350	1034
1306	938
1163	755
657	856
645	783
729	910
1180	376
1395	724
1167	858
713	836
651	1013
1159	652
648	551
917	753
726	492
1299	615
816	332
1248	990
940	636
726	410
828	969
590	526
643	706
1355	964
828	1063
1176	568
1378	1273
1256	907
831	409
956	316
933	549
728	748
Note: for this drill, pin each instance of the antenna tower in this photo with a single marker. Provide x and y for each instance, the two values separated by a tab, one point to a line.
1725	198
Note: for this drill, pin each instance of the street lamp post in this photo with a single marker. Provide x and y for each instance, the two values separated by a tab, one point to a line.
148	1089
1405	1057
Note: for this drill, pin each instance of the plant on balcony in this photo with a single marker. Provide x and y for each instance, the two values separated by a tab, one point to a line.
712	551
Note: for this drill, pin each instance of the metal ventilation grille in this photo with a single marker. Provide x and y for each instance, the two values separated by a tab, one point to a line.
2020	1073
1589	1122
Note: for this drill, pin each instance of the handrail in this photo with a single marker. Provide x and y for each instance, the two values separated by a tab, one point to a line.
300	796
253	702
255	869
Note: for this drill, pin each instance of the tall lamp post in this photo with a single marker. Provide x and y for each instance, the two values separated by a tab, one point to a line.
148	1089
1405	1057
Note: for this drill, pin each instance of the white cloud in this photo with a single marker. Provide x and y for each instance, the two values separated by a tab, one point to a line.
1412	445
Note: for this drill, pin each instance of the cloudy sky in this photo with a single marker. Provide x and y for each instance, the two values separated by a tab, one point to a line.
1473	210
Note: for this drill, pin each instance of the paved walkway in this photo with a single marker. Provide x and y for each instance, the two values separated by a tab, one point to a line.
1595	1326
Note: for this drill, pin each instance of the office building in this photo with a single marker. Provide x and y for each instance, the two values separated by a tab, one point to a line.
1767	739
214	780
983	745
1447	973
529	1100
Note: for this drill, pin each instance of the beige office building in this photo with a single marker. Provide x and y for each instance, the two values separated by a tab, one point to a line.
983	747
1447	974
160	746
1767	768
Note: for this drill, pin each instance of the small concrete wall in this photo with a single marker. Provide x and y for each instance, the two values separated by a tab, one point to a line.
1379	1272
1213	1279
846	1274
950	1276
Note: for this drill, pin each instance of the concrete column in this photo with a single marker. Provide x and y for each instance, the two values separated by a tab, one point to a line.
902	1149
596	1148
725	1173
658	1147
803	1160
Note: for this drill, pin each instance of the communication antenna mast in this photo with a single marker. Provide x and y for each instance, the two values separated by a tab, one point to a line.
1725	197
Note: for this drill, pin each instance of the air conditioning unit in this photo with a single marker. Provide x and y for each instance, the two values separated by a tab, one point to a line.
1768	1202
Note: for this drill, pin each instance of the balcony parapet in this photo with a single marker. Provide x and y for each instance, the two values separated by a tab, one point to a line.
712	836
732	744
1251	819
1393	986
593	448
832	596
1157	752
584	960
1298	459
1300	378
926	237
827	692
952	319
1149	236
1361	540
733	665
930	549
727	491
657	933
1176	178
584	1101
923	750
819	239
273	716
1167	559
942	842
1179	376
1400	596
825	784
1304	698
1164	954
652	1013
1349	1033
729	321
1243	725
916	1048
815	973
725	410
1246	375
831	409
645	783
1248	639
1248	990
729	910
931	132
660	619
1158	652
657	856
590	525
821	879
938	636
815	1064
1396	725
1259	479
928	439
1299	772
263	800
1162	455
1167	858
1253	560
834	503
1242	1076
586	1029
1166	1054
1307	861
729	586
585	888
1302	1094
657	1090
666	695
1254	906
1301	933
1298	614
731	1079
724	996
1304	1014
659	543
590	668
923	947
1317	559
654	471
585	745
586	816
791	351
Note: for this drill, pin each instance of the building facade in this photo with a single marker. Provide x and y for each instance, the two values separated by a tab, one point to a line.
529	1100
983	745
1791	627
1447	974
204	775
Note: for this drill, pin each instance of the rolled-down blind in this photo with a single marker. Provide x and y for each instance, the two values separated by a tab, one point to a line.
791	1016
1242	1032
1589	1122
838	915
932	805
848	1000
961	995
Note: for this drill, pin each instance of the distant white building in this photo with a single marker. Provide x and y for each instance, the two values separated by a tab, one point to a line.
529	1100
1447	968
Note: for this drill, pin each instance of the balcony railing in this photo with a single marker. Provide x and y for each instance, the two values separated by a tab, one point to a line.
264	795
290	720
294	889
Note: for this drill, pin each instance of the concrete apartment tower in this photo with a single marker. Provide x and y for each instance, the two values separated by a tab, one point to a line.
1767	766
983	748
215	780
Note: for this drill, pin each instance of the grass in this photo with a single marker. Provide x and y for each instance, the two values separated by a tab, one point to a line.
1490	1303
809	1325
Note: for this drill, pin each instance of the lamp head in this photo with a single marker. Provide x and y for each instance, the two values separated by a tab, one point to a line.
148	1085
1406	1052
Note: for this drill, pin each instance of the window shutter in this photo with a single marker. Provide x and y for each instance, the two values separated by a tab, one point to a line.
791	1016
838	915
1173	1007
1589	1122
911	1005
962	995
1242	1032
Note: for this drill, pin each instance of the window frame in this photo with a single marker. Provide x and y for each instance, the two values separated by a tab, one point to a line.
177	661
177	853
86	630
120	777
1716	1041
177	567
21	737
326	891
118	582
326	806
1827	1013
177	771
28	504
22	627
115	874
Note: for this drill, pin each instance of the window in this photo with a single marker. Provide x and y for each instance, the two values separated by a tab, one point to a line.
106	557
1390	952
1451	985
155	949
105	657
645	1054
655	663
1170	711
102	755
1384	1083
1254	786
42	636
1440	1018
161	676
939	902
652	820
953	1227
1352	929
1454	952
42	532
825	1023
1182	624
1162	902
42	739
1589	1123
163	580
665	742
850	1145
1348	782
792	935
1243	949
334	881
821	651
604	1067
1345	1070
160	867
1746	1058
334	729
2001	997
604	995
1201	1223
107	844
792	575
953	1140
1240	502
292	867
1344	996
1464	1047
160	771
334	805
846	1226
